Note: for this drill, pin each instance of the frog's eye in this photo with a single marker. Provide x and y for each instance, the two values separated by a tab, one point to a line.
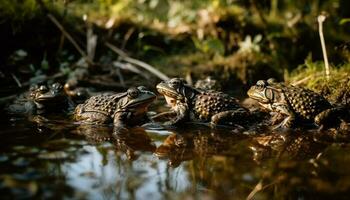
261	83
269	94
33	87
142	88
43	88
271	80
133	92
56	86
175	82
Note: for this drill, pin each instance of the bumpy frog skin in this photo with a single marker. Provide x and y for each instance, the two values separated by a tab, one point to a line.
294	103
191	104
41	99
128	108
208	84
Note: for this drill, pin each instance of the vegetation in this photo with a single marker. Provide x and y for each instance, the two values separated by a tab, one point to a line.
111	45
236	41
312	75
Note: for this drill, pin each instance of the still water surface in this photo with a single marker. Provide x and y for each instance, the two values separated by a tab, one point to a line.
60	159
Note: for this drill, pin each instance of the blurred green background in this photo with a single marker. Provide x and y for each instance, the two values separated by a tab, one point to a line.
236	41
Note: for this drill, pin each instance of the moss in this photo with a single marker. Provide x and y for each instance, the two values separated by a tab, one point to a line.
312	75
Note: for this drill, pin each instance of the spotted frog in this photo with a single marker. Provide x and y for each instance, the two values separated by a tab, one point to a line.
191	104
41	99
128	108
295	104
208	84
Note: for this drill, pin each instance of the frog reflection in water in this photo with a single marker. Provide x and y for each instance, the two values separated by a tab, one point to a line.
41	99
191	104
128	108
182	147
296	104
290	145
130	141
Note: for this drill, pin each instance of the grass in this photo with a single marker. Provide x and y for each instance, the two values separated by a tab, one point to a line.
312	75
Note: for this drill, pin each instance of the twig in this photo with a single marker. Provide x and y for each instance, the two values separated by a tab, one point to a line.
256	189
139	63
321	18
130	67
120	76
127	66
301	81
63	30
68	36
116	50
259	187
91	43
147	67
127	37
4	100
16	80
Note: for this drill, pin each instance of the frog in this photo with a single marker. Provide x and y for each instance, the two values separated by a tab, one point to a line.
193	105
72	87
120	109
209	83
41	99
294	105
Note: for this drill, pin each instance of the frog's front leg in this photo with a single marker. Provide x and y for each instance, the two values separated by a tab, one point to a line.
276	118
129	119
230	117
182	115
289	121
120	118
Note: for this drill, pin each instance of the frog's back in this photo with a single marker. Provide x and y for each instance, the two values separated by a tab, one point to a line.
207	104
305	102
104	103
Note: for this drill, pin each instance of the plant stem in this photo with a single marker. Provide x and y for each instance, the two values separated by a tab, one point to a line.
321	18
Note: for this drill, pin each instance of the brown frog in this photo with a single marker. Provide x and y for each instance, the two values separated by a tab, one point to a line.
41	99
128	108
208	84
295	104
191	104
72	88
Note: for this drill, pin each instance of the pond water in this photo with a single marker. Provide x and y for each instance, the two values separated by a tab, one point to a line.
60	159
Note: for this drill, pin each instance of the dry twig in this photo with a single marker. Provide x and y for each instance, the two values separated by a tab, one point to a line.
303	80
256	189
16	80
259	187
136	62
69	37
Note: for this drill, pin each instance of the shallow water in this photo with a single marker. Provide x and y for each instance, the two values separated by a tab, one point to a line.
60	159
